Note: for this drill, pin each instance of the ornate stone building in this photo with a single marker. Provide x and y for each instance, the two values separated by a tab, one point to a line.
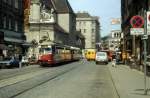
52	21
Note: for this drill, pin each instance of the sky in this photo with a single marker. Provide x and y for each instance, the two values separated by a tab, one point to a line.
105	9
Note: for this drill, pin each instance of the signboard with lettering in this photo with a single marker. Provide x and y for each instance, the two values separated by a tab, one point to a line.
137	31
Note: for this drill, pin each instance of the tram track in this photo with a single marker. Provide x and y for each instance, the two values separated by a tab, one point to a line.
18	72
20	87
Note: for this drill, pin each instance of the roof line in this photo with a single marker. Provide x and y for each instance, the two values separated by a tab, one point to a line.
53	4
69	7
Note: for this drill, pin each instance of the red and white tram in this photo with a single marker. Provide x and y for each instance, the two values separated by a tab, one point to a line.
50	55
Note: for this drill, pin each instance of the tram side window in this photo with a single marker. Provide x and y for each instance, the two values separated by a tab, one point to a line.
58	51
53	49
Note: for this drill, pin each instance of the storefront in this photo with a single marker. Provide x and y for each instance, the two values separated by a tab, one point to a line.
11	43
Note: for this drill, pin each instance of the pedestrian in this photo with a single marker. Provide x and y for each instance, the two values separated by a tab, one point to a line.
20	60
113	60
114	63
132	61
117	58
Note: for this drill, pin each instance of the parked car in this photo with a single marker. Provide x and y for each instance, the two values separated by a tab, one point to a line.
101	57
9	63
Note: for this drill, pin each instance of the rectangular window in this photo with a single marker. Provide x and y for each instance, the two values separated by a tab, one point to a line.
80	23
93	30
4	21
10	24
16	3
9	2
84	30
16	26
115	35
93	24
80	30
84	23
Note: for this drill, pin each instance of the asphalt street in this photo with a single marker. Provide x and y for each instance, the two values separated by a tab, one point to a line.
75	80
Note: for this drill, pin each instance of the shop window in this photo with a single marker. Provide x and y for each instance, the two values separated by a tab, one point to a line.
4	22
1	37
10	22
16	26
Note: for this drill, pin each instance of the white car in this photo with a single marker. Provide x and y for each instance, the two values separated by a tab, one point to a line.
101	57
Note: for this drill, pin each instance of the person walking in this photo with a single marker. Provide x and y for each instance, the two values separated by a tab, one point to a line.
20	60
113	60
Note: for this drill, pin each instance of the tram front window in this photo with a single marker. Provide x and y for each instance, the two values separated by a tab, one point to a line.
45	50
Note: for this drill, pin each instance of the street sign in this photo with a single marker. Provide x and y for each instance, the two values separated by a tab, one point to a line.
136	31
148	23
137	21
145	37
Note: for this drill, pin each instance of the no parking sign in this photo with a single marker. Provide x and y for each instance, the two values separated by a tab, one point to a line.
137	21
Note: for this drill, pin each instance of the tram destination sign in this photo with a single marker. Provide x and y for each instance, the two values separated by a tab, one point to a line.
137	31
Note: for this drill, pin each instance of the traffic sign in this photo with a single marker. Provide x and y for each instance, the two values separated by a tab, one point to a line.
137	31
145	37
137	21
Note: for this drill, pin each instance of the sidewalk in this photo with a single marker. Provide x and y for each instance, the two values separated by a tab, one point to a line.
129	82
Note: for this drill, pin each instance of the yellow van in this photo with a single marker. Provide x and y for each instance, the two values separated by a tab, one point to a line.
90	54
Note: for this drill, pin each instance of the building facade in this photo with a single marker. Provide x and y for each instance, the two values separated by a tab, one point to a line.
115	40
89	27
11	27
52	21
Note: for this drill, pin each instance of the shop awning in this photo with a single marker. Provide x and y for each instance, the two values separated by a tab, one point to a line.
27	44
13	40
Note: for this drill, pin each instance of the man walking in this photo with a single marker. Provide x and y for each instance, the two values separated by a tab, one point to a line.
20	60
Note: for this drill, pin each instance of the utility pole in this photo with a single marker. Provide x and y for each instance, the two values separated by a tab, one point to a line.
145	50
145	37
134	48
